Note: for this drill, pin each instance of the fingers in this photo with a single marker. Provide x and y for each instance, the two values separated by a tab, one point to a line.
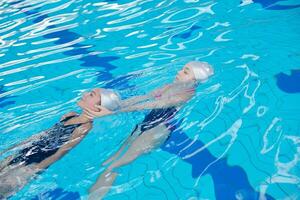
102	111
92	113
102	108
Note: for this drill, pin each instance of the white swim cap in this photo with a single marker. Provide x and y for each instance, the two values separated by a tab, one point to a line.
110	99
202	70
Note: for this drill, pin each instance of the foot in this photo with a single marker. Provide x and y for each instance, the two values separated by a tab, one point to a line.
108	161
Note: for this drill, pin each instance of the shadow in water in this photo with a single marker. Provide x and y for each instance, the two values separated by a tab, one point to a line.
229	181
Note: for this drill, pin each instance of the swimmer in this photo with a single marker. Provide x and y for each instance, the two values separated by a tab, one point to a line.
41	150
156	126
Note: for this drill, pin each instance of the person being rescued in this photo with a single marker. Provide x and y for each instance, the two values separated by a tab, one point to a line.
41	150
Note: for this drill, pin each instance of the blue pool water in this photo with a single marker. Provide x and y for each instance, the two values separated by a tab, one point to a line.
238	138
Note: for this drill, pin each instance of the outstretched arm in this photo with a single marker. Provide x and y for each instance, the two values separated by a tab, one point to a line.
147	97
134	100
159	98
167	96
158	103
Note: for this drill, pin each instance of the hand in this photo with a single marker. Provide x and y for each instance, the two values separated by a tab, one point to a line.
102	111
68	115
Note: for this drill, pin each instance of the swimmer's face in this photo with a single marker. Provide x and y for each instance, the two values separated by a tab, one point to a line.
186	74
90	99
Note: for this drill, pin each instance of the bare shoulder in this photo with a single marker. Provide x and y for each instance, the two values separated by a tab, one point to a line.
73	113
82	130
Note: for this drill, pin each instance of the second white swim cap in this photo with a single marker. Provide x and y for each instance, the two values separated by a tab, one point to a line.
202	70
110	99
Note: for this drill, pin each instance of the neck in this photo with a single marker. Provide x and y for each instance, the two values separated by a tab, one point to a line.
84	117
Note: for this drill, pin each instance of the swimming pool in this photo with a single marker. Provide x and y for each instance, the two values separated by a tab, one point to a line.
237	137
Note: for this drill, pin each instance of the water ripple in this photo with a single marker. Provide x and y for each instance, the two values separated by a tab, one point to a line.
71	43
49	21
148	42
178	14
29	87
9	25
